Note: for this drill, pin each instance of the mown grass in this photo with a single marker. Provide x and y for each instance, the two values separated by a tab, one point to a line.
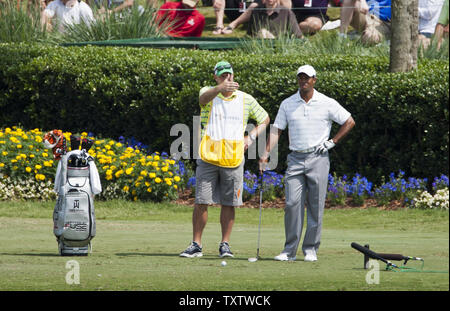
137	247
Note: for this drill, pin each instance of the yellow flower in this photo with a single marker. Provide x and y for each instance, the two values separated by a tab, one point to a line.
128	171
4	153
126	188
149	189
144	173
2	164
175	186
28	169
118	145
164	169
44	154
158	180
40	177
38	167
156	158
19	146
168	182
152	175
118	173
177	178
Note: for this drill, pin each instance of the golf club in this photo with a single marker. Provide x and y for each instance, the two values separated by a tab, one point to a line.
254	259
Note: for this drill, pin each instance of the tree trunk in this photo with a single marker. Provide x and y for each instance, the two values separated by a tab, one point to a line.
405	32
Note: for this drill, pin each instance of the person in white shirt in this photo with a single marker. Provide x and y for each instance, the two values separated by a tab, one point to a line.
66	12
309	115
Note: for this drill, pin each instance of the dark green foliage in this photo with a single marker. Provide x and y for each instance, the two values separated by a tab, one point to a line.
401	119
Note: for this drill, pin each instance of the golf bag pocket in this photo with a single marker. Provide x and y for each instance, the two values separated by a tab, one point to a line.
72	218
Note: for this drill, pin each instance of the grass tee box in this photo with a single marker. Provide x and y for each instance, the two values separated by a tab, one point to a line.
138	244
172	42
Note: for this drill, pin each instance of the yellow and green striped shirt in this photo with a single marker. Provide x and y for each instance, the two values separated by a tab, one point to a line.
252	110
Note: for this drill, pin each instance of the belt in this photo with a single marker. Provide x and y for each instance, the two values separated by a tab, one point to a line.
312	149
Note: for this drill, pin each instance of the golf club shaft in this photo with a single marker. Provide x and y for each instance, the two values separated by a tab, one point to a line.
260	210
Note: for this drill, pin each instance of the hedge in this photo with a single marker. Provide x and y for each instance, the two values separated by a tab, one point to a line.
401	119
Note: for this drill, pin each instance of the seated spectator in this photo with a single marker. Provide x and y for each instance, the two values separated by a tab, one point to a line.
374	20
232	12
429	11
441	29
181	18
273	20
65	12
245	17
311	14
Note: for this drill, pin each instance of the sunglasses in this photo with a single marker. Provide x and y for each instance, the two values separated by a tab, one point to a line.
220	68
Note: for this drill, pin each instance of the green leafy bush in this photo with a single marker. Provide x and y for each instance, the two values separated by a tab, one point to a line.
401	119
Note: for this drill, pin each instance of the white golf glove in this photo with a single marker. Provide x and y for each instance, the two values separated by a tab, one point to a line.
327	145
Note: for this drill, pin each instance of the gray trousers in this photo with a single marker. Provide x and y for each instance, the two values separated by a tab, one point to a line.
306	181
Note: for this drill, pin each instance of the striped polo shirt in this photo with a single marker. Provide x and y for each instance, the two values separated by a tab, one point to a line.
309	123
252	110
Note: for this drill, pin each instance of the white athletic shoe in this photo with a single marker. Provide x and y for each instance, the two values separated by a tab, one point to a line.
284	257
310	255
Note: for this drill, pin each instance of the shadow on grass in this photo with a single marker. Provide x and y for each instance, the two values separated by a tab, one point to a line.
207	257
32	254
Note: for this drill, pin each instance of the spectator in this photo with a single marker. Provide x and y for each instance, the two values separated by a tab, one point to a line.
245	17
441	29
372	18
429	11
64	13
273	20
311	14
232	12
181	18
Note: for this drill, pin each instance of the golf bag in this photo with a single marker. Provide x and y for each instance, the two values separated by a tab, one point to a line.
76	182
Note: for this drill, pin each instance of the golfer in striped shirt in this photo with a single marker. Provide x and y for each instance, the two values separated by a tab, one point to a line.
309	115
225	111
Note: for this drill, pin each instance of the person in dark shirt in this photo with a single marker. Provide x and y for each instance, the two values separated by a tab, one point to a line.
272	20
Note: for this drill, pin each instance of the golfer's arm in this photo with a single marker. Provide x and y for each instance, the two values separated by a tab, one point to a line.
344	130
209	95
274	136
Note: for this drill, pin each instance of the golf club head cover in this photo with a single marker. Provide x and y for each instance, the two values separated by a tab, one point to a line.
56	141
75	141
86	144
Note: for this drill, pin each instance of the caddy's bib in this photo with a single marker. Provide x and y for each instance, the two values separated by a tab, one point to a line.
223	142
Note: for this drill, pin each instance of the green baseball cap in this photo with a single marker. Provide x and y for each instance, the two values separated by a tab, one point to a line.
222	67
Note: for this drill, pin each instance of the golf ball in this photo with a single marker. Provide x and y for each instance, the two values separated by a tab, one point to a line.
223	263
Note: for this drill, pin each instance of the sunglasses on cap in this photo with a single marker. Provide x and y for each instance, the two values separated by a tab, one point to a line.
220	68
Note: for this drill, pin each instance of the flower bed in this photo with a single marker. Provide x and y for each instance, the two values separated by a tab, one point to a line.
127	171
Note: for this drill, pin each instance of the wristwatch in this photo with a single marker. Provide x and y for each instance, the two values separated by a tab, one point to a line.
252	137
